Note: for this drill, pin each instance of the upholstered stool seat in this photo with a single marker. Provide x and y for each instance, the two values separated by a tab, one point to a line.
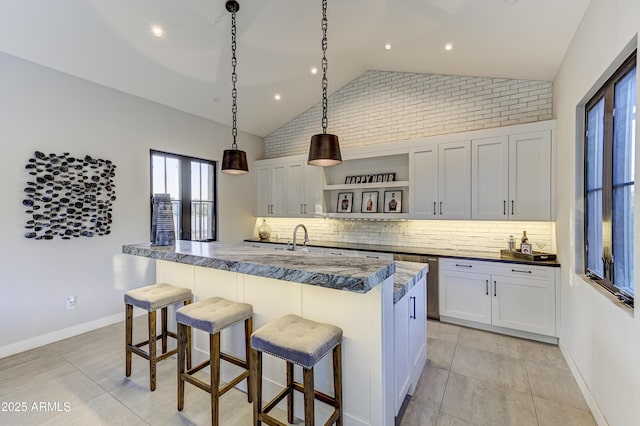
151	298
303	342
212	316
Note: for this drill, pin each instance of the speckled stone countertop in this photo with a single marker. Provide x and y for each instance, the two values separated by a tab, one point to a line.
457	254
406	276
308	268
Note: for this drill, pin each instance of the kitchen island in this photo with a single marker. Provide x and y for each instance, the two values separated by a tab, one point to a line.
355	294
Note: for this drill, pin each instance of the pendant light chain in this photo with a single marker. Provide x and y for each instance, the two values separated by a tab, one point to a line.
234	78
324	66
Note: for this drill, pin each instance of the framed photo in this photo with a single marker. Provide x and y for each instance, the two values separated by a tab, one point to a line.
345	202
369	202
392	202
525	248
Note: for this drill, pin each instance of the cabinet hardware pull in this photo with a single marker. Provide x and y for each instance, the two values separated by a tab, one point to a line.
301	209
512	207
305	208
495	291
373	257
413	316
504	207
434	207
522	272
337	254
440	207
464	266
486	287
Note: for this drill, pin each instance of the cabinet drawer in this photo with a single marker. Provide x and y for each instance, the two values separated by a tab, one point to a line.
463	265
524	271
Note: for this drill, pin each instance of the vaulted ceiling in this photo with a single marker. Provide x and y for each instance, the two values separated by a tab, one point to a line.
279	41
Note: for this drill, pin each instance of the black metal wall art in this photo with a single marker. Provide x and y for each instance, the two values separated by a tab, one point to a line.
68	197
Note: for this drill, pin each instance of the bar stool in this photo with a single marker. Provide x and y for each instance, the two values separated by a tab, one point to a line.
212	315
151	298
302	342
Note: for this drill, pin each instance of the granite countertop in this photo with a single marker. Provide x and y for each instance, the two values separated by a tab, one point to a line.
406	276
456	254
307	268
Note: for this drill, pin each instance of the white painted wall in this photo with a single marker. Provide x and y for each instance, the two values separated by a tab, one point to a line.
602	339
42	109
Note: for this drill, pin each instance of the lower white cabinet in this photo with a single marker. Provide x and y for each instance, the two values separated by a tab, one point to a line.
410	341
512	296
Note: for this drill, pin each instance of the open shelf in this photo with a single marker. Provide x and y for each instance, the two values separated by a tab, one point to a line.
394	184
368	216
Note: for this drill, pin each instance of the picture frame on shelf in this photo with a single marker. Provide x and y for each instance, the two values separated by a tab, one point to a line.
525	248
369	202
345	202
392	201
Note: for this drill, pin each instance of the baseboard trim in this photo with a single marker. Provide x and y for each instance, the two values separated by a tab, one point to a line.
584	388
54	336
501	330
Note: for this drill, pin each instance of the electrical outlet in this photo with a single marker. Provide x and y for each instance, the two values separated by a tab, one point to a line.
71	302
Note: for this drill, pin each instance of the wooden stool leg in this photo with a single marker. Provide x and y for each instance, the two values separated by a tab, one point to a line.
256	371
308	397
187	302
164	329
337	381
248	329
290	395
152	350
214	366
182	342
128	338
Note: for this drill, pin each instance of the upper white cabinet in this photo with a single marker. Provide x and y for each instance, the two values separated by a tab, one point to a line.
511	177
270	189
491	174
530	176
287	187
441	181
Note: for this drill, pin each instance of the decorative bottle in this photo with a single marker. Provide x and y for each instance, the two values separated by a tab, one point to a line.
524	239
264	230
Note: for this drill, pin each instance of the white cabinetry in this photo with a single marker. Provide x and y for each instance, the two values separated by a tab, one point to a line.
440	177
287	187
410	341
511	177
509	296
270	189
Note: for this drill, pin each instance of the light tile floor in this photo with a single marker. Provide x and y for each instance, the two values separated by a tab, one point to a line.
471	378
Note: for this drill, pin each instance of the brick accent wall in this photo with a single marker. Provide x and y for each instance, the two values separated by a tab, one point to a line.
437	234
380	107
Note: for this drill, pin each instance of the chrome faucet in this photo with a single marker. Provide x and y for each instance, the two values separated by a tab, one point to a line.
295	232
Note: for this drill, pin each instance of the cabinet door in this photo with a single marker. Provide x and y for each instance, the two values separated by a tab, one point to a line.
423	165
524	304
454	180
401	350
278	189
263	190
490	178
417	331
465	295
295	189
530	176
312	190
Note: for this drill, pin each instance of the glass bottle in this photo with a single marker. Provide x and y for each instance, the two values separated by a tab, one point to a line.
264	230
524	239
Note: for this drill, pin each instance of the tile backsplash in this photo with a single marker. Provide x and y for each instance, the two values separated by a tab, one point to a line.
437	234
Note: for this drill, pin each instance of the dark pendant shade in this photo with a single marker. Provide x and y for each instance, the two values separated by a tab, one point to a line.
324	150
234	162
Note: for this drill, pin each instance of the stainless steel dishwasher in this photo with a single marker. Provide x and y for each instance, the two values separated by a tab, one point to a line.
433	310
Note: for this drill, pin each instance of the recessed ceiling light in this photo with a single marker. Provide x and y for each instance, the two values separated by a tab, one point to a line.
157	31
510	2
276	96
387	46
216	99
448	46
314	70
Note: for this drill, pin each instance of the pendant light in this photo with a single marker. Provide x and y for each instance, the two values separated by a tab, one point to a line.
234	161
325	148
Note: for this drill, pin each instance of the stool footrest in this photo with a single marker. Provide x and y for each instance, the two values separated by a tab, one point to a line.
270	420
158	337
279	397
144	354
196	382
323	397
233	360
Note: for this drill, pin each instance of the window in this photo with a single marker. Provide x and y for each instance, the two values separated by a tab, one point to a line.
609	182
191	182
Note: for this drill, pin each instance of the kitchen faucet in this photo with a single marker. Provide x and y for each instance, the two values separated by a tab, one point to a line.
295	232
